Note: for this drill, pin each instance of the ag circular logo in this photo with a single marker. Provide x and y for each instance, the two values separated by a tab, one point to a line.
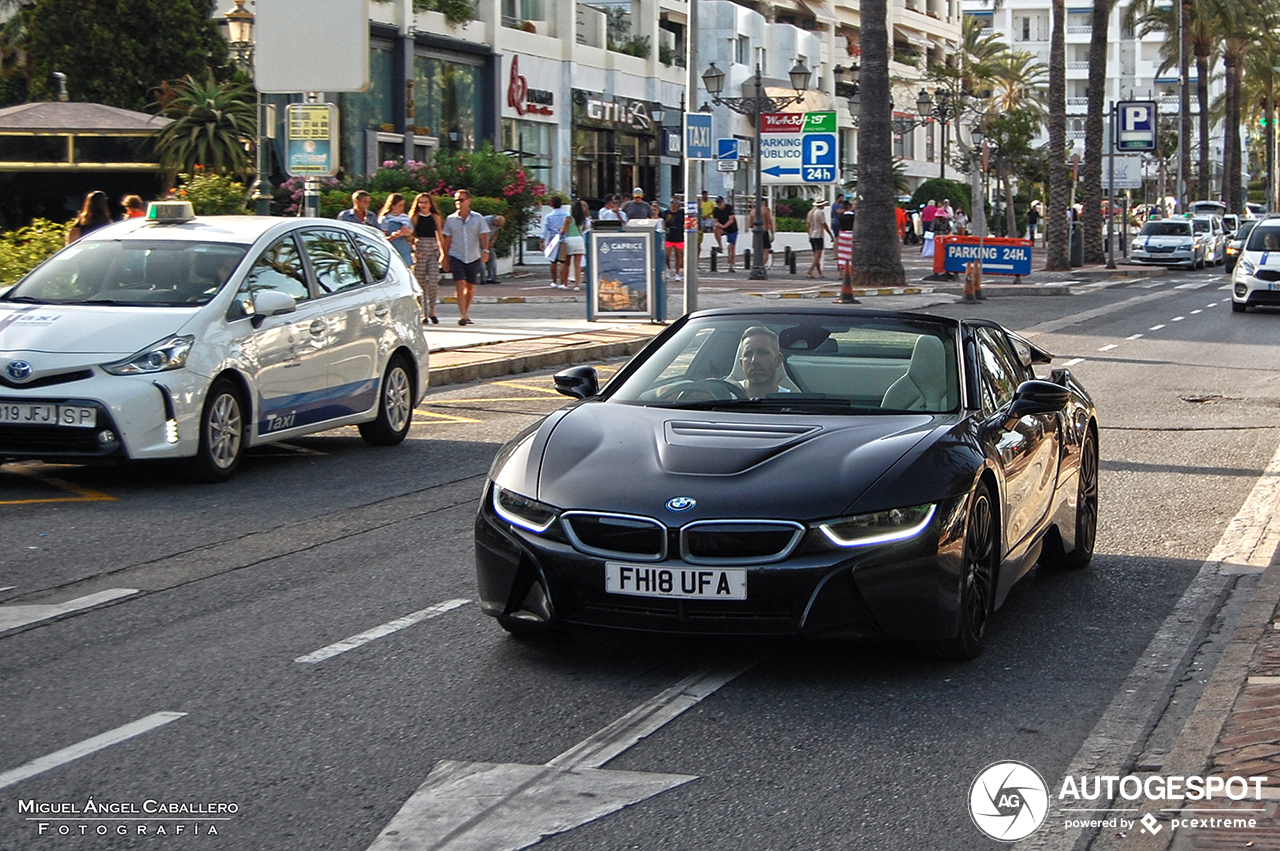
19	370
1008	801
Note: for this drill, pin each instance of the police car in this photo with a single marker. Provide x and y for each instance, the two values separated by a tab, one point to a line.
1256	277
192	339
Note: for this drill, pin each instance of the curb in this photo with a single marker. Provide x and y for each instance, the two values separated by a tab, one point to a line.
511	358
835	293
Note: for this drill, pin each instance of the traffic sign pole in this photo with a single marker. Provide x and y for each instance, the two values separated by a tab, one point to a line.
690	186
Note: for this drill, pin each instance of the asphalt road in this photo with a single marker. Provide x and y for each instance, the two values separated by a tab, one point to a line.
822	745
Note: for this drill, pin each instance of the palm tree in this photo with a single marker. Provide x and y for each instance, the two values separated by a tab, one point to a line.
1057	225
1016	83
212	123
1259	98
1094	153
877	252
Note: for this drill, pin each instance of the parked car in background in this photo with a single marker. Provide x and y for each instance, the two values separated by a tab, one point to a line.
1256	208
1167	242
191	339
1236	244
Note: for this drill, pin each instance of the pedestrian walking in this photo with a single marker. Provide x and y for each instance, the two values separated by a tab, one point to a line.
359	213
426	236
942	217
395	223
464	245
727	227
961	222
818	229
673	224
574	229
495	223
637	207
928	214
93	215
133	207
551	233
1033	221
764	215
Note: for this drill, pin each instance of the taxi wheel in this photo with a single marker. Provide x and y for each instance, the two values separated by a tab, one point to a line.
1239	307
222	434
395	407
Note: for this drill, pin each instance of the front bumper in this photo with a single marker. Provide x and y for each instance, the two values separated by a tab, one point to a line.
907	590
146	416
1177	257
1261	288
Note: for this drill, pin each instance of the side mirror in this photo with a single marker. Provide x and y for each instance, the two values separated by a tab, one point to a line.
1035	397
580	382
271	303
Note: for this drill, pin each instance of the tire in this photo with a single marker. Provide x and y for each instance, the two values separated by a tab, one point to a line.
223	433
1086	507
1239	307
395	407
977	581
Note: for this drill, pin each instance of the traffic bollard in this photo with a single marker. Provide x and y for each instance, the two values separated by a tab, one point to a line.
746	259
791	261
714	253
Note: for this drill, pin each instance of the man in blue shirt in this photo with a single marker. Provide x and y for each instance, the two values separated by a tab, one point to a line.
464	247
550	230
359	213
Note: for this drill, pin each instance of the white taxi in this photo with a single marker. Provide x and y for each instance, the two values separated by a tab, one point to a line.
192	339
1256	279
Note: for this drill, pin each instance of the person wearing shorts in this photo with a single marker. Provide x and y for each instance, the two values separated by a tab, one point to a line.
727	226
673	224
464	246
818	231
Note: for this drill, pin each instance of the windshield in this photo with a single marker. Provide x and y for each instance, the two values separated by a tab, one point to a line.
801	364
152	273
1202	225
1264	239
1243	231
1166	229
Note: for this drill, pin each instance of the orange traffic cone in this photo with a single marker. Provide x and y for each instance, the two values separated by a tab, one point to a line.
846	288
973	282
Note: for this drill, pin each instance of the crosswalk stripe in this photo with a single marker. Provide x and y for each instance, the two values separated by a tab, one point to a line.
380	631
88	746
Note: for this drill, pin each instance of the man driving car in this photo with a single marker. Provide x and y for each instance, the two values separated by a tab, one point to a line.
761	359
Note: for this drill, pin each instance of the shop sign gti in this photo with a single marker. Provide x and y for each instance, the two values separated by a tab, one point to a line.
524	100
622	113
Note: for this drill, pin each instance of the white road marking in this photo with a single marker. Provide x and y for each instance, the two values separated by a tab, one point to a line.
88	746
1150	285
8	588
1212	304
1194	312
1179	318
504	807
1225	287
380	631
1108	348
1247	545
1083	316
1134	337
12	617
1198	286
1074	361
1155	327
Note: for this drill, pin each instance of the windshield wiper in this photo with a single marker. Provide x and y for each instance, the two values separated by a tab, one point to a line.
26	299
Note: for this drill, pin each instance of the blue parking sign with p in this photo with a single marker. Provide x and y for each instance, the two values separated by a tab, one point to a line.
1136	125
818	158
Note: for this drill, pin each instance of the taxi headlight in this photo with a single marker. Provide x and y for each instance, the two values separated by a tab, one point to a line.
523	511
880	527
1246	266
169	353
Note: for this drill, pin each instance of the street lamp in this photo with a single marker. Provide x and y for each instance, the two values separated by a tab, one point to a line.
756	106
901	124
240	40
949	106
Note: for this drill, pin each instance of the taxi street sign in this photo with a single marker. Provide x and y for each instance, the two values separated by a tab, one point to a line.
1137	125
311	140
697	135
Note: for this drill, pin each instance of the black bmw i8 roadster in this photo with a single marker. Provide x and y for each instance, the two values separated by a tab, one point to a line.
795	471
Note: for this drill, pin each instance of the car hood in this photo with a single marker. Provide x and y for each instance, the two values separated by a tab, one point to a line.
71	330
633	459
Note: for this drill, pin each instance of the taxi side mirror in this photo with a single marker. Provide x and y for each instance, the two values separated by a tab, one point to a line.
272	303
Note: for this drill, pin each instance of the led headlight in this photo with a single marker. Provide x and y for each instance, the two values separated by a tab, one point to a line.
1246	267
523	511
169	353
880	527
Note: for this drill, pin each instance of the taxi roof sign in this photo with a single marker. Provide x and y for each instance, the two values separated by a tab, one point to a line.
168	212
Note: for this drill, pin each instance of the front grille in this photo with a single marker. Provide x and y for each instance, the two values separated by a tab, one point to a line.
1267	275
52	439
1264	297
616	535
48	380
738	541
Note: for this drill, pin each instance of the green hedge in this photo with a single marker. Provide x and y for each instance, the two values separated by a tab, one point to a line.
789	224
24	249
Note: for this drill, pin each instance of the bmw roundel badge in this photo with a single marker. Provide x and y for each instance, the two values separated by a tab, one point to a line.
680	503
18	370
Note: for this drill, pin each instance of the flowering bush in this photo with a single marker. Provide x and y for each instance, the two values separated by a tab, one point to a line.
212	194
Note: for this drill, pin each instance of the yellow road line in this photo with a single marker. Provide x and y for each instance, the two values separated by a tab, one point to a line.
433	418
486	399
80	494
520	386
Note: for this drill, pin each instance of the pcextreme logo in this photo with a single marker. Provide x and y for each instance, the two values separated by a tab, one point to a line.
1008	801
